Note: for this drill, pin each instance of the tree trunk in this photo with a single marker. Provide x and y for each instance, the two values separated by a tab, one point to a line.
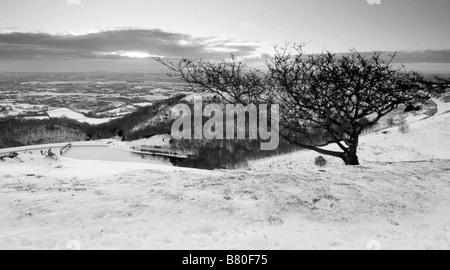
351	159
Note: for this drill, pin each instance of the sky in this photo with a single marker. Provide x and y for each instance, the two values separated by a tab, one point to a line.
83	35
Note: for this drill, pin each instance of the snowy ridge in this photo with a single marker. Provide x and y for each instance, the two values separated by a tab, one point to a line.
64	112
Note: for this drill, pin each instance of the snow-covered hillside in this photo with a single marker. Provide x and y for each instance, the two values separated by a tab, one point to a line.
425	139
64	112
398	199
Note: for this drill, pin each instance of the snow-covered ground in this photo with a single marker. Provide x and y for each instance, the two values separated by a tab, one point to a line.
398	199
157	140
64	112
12	109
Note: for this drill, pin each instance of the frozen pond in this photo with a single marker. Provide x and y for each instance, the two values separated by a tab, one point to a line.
101	153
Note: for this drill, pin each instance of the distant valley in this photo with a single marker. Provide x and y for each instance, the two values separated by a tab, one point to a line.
95	95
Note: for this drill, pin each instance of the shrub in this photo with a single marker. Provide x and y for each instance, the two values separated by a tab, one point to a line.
320	161
49	154
10	155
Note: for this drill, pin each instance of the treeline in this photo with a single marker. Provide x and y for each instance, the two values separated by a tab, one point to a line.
16	132
22	132
224	153
227	154
125	127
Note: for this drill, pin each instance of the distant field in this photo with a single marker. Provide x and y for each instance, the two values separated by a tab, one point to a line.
93	93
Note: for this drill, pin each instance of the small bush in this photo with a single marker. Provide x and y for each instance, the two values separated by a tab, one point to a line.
49	154
320	161
11	155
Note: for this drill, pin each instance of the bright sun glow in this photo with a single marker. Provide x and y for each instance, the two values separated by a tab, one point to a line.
131	54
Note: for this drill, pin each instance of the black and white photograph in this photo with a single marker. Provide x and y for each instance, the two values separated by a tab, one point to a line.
224	125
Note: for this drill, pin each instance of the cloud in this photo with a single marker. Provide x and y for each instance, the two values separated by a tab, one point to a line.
408	57
127	48
118	44
442	56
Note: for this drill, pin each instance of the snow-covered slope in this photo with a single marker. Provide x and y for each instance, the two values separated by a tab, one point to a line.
398	199
425	139
157	140
64	112
166	112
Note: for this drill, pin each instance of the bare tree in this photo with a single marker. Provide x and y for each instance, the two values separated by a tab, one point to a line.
340	95
332	96
231	79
